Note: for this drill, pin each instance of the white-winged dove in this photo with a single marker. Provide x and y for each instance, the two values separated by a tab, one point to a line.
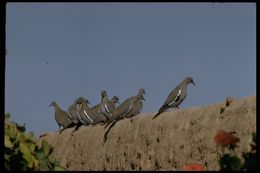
61	117
106	107
114	100
137	104
85	113
94	109
101	118
129	108
72	111
176	97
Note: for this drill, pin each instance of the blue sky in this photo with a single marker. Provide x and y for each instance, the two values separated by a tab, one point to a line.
60	51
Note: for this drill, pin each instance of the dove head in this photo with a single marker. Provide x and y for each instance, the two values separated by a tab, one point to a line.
189	80
53	104
141	93
82	99
78	99
115	99
103	93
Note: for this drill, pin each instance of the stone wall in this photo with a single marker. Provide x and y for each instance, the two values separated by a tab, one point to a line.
169	142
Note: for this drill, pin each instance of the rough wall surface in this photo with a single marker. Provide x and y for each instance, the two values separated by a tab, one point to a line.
169	142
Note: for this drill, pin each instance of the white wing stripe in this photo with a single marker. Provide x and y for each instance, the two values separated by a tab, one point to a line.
88	116
179	93
79	118
128	109
107	110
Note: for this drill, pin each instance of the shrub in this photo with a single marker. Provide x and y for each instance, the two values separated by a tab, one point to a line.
22	152
233	163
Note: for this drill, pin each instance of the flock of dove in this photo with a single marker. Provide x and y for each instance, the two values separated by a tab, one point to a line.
107	112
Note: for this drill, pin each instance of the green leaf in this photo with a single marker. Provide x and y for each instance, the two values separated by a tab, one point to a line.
8	143
35	162
30	137
249	162
58	168
10	130
7	116
40	154
43	159
7	166
29	159
20	128
23	165
7	157
52	159
46	147
19	137
228	162
31	146
236	164
24	148
26	154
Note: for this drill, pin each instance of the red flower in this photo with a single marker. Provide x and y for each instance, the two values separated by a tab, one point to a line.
193	167
223	138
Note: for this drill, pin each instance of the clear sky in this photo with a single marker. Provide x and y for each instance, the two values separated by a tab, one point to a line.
60	51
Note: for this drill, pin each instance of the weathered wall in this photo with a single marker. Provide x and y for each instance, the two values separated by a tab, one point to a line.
170	141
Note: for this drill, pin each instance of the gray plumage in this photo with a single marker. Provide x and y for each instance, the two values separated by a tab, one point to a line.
106	107
87	117
176	97
136	104
61	117
101	118
95	108
73	112
129	108
114	100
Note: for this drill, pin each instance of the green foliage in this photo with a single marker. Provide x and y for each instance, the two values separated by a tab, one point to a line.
250	162
228	162
254	138
250	157
21	151
233	163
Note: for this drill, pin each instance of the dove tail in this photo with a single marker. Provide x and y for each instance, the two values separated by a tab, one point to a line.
156	115
162	109
70	125
107	124
105	135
